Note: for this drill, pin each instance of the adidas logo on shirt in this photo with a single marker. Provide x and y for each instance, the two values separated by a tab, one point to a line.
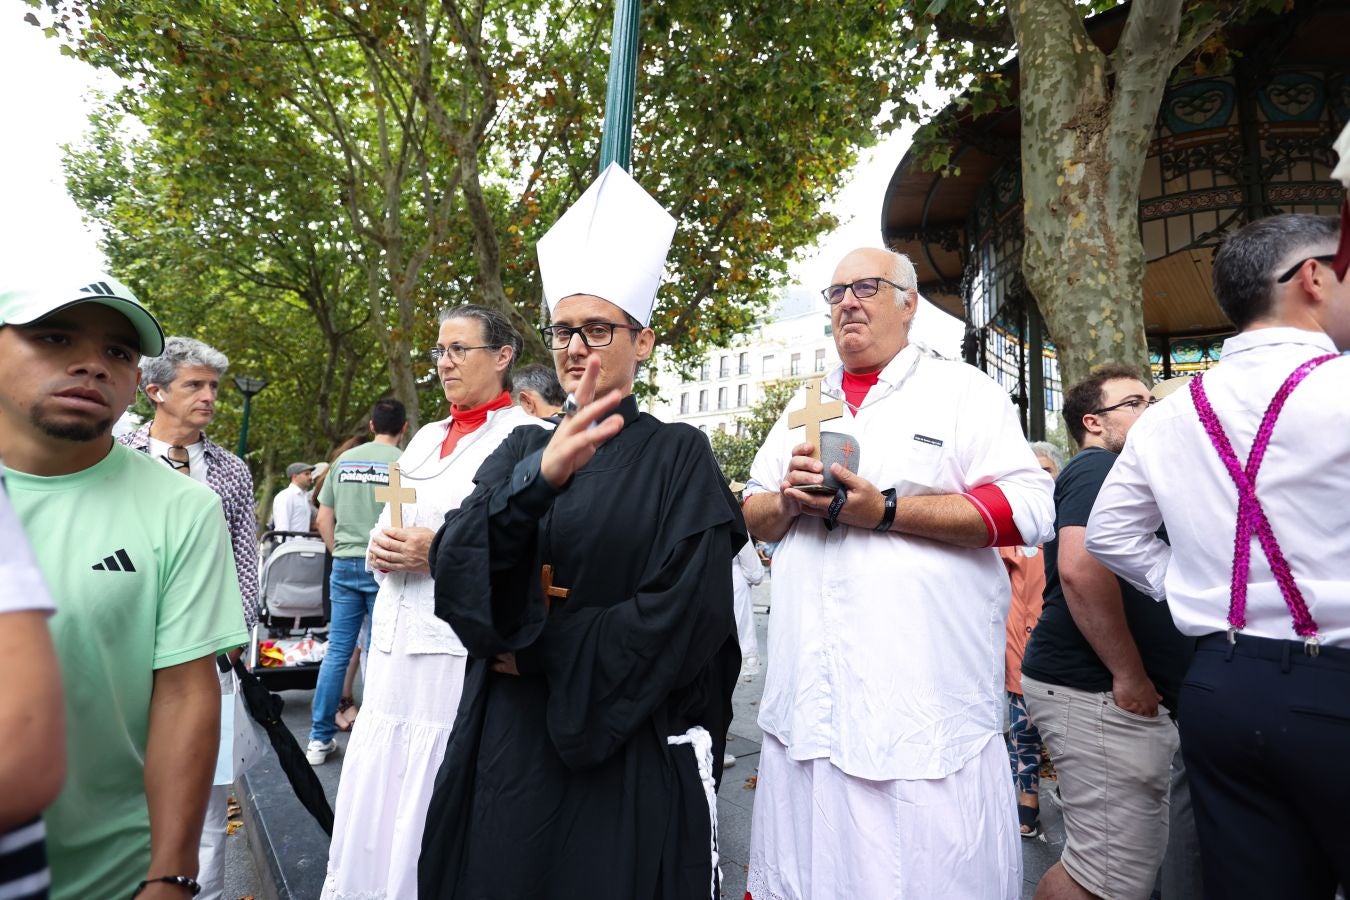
118	562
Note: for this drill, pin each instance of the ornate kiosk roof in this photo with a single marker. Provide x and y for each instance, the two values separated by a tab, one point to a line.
1226	150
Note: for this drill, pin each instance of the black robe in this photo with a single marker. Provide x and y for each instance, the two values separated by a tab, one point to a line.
559	782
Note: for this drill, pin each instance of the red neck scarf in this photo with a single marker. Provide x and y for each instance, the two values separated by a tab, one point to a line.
856	388
467	421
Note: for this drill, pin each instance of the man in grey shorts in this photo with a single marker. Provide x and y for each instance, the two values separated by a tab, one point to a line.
1101	673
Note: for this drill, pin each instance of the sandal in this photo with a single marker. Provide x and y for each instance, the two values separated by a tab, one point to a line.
346	714
1029	820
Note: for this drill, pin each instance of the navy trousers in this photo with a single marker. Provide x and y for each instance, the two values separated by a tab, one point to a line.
1265	733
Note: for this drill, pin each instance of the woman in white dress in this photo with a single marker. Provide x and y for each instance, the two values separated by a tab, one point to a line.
415	666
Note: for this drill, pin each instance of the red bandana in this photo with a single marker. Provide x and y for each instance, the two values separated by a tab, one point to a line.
857	386
466	421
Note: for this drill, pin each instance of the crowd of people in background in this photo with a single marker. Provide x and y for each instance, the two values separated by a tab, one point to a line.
546	593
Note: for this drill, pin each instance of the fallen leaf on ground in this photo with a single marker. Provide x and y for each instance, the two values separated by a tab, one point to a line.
232	827
750	783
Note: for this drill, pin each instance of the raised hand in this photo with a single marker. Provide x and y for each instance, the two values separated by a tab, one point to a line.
574	442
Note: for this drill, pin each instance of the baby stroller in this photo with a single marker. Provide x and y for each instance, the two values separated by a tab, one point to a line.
293	594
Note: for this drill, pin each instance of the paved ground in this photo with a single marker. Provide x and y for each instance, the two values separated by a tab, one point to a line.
281	816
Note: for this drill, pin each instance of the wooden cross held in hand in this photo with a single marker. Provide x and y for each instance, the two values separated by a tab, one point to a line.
546	582
813	414
395	495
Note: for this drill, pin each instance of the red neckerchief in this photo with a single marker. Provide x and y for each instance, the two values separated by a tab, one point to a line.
466	421
856	388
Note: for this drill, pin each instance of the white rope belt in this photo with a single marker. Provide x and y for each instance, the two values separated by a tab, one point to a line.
701	742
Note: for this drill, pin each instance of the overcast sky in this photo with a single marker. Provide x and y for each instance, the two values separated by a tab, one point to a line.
46	102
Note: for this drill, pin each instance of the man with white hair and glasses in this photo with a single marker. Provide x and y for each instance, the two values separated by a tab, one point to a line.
883	771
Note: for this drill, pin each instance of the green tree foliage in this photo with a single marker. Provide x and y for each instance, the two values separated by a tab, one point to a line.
369	162
1087	114
735	450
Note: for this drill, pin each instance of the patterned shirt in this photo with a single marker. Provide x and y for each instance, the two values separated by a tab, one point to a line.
229	477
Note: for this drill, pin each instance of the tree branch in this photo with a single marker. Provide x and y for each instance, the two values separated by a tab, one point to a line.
998	33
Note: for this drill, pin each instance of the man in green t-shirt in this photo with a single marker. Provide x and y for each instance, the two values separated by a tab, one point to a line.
138	560
347	513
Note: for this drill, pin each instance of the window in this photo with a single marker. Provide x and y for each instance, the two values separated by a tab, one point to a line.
721	398
725	368
796	365
820	360
743	395
705	371
684	403
768	365
702	401
745	364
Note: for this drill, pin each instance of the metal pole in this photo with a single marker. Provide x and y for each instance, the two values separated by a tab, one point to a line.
616	141
1036	370
243	428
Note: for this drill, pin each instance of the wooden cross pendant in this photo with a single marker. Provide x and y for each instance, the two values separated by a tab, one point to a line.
395	495
546	582
815	412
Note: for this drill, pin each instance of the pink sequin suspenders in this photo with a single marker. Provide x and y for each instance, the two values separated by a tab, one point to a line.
1251	518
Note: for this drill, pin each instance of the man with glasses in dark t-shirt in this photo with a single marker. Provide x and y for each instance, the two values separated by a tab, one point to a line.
1102	671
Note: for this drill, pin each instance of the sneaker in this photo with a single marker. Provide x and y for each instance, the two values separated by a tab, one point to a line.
318	751
728	761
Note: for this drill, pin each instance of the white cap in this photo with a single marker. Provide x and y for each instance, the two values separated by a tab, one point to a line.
24	306
1342	146
611	244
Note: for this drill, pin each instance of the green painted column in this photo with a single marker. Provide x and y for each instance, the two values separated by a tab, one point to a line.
616	141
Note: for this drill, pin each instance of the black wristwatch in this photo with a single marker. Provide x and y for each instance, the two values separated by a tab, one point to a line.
887	517
181	881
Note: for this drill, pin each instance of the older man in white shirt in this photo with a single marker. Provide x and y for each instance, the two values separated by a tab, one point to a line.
883	771
1259	567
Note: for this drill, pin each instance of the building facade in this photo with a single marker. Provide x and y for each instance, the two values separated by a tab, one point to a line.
794	340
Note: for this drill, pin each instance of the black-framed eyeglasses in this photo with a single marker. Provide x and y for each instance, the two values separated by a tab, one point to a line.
863	289
456	352
593	334
1294	270
1134	404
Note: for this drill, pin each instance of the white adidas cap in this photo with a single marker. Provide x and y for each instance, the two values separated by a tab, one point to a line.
24	306
611	244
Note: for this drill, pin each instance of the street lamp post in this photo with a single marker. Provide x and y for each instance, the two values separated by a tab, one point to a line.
616	141
249	387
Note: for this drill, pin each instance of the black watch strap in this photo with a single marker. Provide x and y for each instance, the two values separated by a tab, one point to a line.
887	517
181	881
836	507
